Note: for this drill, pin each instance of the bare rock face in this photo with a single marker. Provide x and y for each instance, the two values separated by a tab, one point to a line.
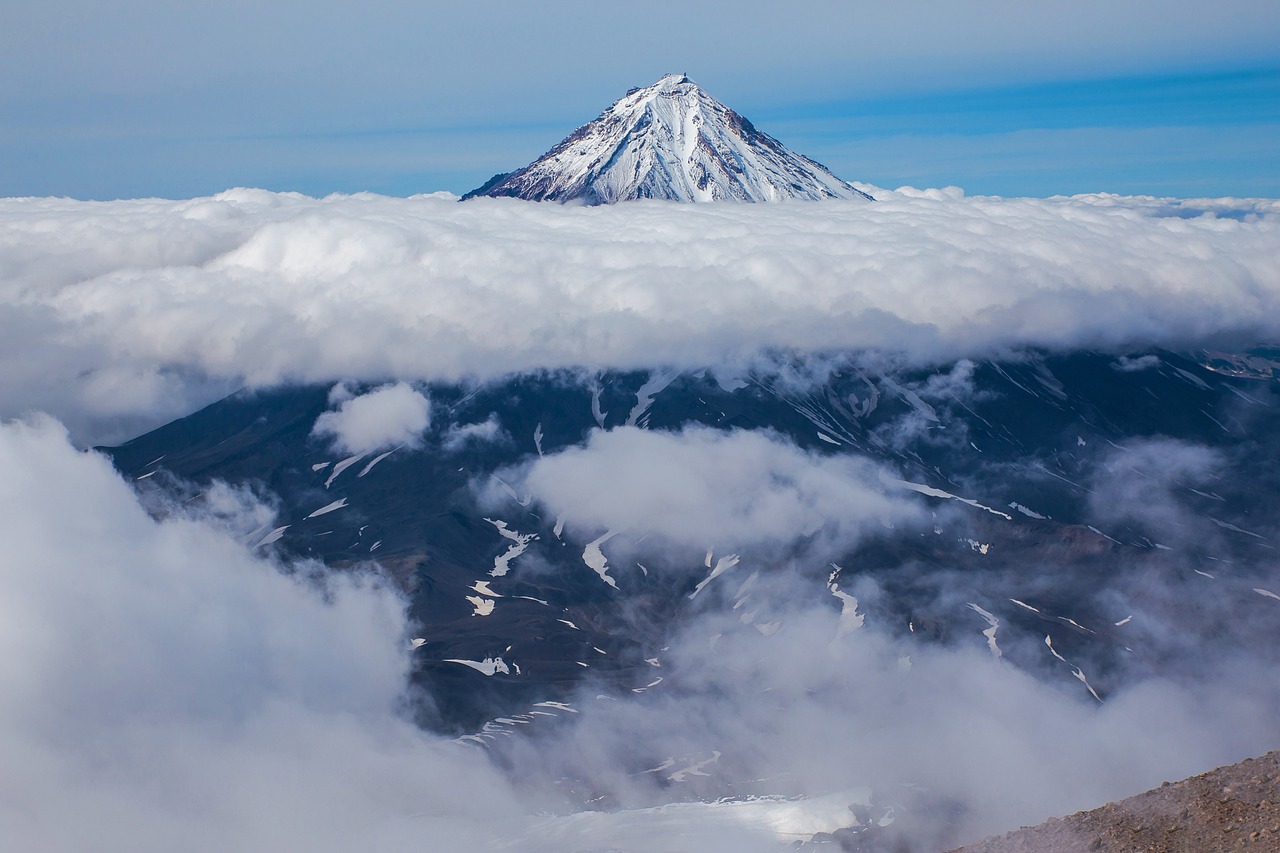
669	141
1236	807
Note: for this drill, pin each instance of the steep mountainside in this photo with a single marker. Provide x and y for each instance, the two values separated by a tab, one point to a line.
1011	456
1236	807
669	141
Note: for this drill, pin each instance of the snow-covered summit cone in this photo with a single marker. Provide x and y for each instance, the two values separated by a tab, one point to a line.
669	141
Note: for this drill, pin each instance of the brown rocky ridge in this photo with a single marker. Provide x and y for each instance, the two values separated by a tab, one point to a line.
1236	807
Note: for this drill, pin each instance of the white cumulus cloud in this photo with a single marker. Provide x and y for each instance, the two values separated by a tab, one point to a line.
164	688
703	487
389	416
485	432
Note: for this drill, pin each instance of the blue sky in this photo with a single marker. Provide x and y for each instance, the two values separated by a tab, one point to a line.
145	98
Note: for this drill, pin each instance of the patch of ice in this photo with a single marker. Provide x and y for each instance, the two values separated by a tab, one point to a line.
1030	513
273	536
723	565
1079	673
559	706
488	666
1192	378
327	508
1208	495
595	407
913	399
939	493
1229	526
483	606
850	619
1103	535
990	632
596	560
520	543
651	684
1075	624
375	460
342	466
644	397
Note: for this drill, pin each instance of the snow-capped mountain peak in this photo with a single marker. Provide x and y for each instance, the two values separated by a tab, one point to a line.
672	141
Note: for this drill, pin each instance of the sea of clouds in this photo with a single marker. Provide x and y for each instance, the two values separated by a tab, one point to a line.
120	315
165	686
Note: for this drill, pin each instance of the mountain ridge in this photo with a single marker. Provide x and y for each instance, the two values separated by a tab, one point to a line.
1235	805
669	141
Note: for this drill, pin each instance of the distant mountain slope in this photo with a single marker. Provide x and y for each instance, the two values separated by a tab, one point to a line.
669	141
1028	444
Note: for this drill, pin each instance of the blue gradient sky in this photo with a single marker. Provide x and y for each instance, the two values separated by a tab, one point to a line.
143	98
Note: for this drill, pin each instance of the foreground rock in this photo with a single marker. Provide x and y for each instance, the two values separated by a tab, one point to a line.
1236	807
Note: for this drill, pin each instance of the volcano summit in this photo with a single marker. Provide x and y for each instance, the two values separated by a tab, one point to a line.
669	141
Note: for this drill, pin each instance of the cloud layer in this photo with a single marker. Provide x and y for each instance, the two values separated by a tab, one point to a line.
143	308
164	688
170	688
948	741
163	673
